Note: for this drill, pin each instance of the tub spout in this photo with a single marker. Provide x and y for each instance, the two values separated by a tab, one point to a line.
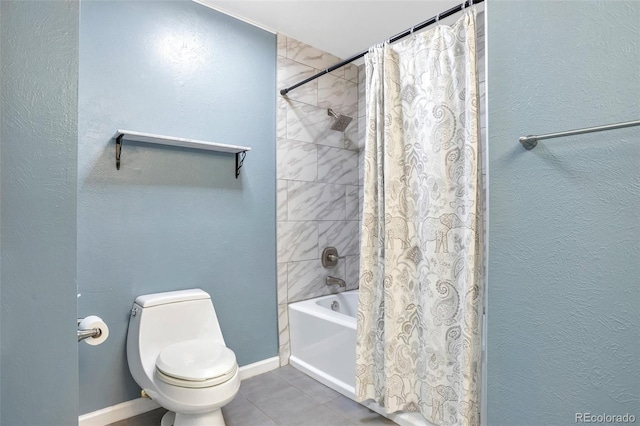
336	281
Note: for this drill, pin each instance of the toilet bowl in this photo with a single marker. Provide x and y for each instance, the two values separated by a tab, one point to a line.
177	355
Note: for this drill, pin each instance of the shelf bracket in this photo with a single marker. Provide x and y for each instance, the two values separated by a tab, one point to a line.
239	161
118	150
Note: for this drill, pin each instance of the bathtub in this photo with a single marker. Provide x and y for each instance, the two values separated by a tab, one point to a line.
323	346
323	341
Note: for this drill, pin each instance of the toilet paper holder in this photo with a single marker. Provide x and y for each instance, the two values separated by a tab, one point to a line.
91	332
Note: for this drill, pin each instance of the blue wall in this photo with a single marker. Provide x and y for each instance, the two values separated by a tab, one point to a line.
564	248
174	218
38	128
1	118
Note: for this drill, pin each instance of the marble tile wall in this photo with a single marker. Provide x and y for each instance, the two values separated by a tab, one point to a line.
318	178
320	172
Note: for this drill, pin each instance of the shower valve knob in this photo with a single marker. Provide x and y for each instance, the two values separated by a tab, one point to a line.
330	257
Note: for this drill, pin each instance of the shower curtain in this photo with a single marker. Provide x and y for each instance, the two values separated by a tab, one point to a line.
419	316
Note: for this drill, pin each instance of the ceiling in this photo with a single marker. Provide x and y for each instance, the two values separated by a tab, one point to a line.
342	28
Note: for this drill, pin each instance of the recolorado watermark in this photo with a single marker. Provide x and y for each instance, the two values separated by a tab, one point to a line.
605	418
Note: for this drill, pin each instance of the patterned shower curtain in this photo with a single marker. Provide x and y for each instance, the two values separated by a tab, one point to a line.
419	316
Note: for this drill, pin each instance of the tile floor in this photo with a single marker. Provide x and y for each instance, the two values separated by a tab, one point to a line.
283	397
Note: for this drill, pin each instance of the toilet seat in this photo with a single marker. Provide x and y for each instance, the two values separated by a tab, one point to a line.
197	363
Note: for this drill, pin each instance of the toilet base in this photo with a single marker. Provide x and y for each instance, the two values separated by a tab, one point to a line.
213	418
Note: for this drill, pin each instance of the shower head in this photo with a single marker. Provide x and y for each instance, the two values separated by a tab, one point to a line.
342	121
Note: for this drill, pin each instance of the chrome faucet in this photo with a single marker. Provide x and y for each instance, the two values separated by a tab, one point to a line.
336	281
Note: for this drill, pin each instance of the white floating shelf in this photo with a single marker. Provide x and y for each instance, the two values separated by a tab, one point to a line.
181	142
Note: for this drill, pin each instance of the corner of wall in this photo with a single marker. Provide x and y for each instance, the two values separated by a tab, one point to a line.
38	162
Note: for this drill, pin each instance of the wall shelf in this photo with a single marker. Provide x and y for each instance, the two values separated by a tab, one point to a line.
239	151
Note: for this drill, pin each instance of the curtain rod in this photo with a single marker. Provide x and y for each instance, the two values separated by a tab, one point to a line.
393	39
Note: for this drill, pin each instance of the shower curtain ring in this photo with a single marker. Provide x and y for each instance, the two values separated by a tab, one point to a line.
437	19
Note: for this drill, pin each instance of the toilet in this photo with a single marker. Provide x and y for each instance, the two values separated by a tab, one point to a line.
177	355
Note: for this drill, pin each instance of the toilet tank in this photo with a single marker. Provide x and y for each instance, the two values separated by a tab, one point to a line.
160	319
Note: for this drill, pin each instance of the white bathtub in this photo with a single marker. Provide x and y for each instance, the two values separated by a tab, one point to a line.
323	346
323	341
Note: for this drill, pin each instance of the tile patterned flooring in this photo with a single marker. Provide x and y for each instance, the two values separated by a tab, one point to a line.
283	397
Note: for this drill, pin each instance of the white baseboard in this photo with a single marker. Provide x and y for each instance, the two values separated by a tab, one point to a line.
117	412
259	367
127	409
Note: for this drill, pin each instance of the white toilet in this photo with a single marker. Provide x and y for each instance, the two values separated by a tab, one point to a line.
177	355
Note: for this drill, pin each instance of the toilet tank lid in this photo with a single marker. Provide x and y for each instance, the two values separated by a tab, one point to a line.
148	300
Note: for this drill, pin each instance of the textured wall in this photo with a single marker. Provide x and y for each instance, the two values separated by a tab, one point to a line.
564	317
318	179
1	84
39	46
174	218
